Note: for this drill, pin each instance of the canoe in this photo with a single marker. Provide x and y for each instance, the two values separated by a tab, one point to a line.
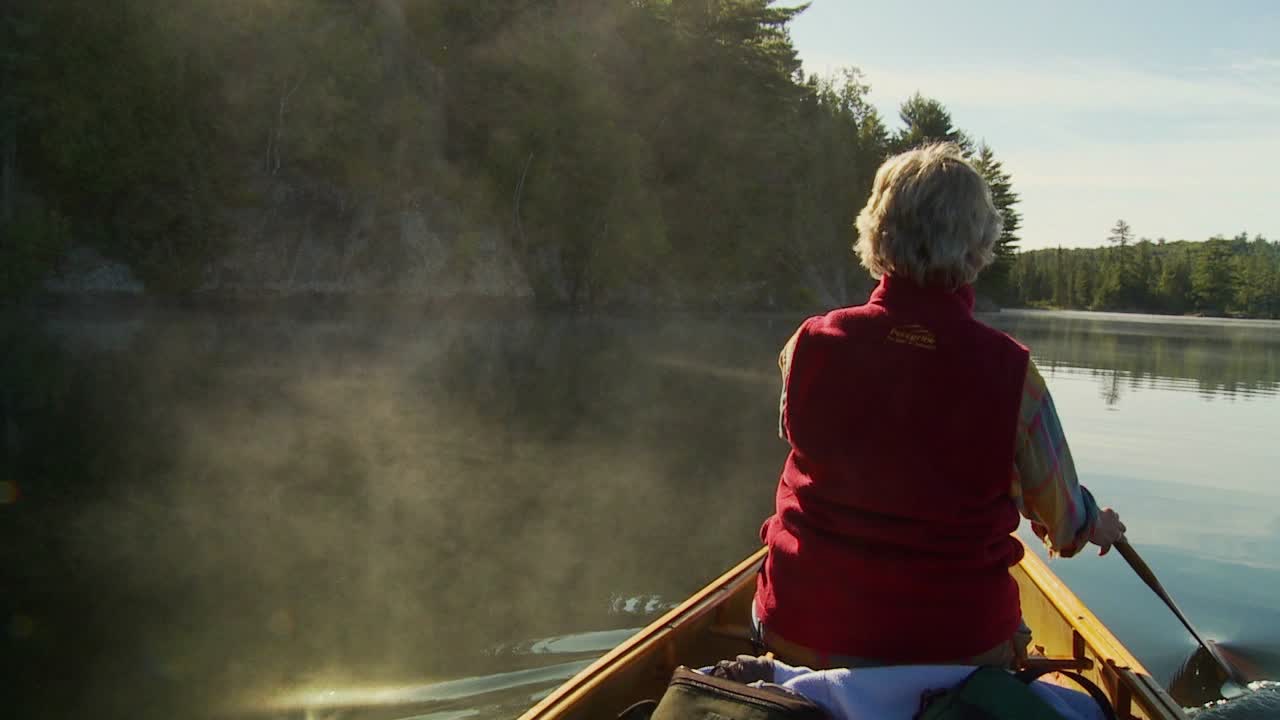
712	625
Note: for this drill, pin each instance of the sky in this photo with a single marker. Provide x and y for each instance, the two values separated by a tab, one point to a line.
1164	114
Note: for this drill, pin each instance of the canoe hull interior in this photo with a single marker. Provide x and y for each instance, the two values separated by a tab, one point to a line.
713	625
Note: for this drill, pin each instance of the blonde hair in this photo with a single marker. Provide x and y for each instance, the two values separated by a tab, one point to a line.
929	218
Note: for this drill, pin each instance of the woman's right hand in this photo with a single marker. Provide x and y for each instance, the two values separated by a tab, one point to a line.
1107	530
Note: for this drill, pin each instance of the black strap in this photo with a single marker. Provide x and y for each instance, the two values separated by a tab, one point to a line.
642	710
1095	692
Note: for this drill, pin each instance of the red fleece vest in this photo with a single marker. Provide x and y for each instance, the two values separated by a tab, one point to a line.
891	536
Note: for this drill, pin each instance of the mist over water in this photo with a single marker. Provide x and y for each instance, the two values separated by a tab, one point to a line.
217	507
219	513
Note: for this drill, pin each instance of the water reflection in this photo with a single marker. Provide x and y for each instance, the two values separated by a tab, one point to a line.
216	508
220	506
1130	353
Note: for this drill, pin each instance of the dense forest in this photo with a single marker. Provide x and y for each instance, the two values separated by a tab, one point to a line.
1221	276
653	152
660	153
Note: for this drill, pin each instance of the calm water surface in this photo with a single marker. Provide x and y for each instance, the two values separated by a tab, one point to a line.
257	513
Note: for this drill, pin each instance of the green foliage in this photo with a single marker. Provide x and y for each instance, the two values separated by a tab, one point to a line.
629	151
1256	280
33	241
1217	277
1119	284
1173	285
116	132
996	278
841	143
926	120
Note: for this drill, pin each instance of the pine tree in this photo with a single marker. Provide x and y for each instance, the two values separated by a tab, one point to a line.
1060	285
926	120
1004	198
1085	275
1119	285
1254	276
1211	278
1121	234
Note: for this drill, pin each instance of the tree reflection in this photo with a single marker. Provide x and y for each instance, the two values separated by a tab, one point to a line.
388	494
1215	358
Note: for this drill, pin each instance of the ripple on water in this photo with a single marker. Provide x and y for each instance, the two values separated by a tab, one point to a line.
1262	703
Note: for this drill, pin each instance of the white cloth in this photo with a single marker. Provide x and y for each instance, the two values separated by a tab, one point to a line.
893	693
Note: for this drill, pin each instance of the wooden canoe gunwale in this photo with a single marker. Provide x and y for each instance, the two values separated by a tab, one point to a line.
1116	669
702	603
652	652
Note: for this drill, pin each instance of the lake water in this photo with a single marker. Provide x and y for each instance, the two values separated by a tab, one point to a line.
255	513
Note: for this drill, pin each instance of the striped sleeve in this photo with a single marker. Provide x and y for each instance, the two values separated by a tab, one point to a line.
784	364
1045	486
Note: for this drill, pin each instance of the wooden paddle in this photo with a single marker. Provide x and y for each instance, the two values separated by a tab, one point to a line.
1135	561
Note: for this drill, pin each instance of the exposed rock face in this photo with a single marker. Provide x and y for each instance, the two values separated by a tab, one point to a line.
288	252
401	254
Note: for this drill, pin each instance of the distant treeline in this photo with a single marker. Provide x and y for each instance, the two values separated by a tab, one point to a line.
1220	276
667	152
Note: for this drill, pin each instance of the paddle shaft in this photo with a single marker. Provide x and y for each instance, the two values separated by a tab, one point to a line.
1140	567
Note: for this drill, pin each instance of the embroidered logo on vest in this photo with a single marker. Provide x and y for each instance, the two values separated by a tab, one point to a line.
915	336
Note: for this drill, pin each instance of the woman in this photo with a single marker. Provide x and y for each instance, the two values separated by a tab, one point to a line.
917	436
